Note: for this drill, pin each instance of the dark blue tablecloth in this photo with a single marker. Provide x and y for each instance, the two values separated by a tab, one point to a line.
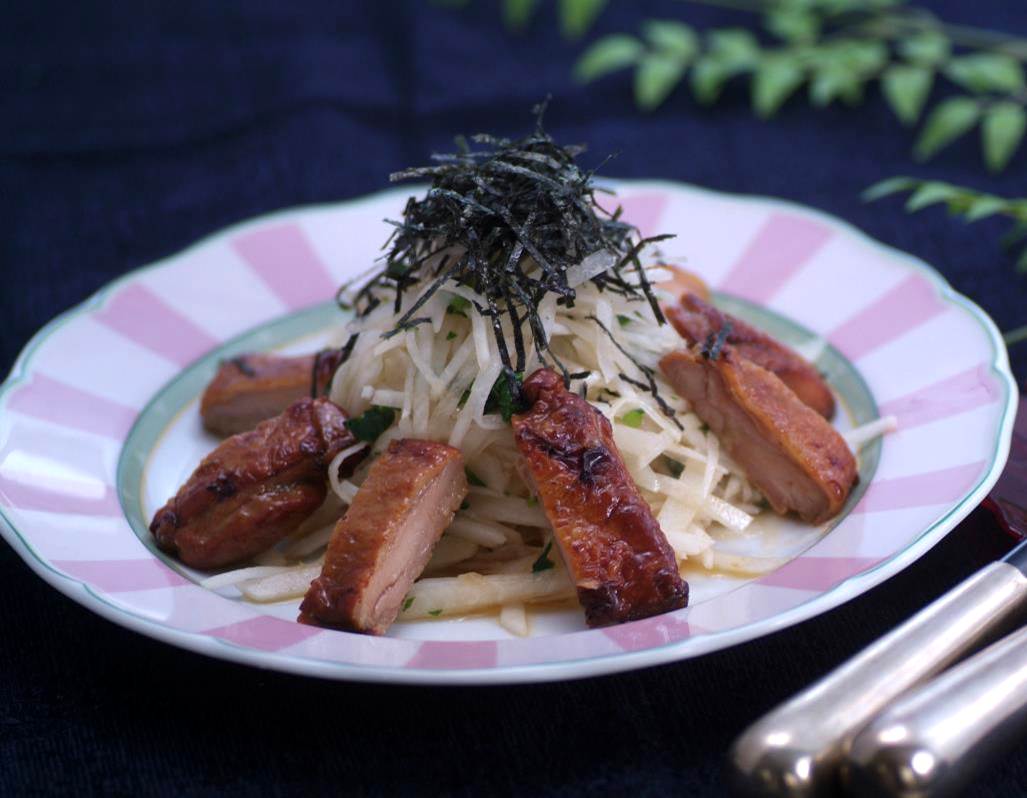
127	131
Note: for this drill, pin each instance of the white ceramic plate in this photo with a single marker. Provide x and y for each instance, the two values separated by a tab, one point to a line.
98	425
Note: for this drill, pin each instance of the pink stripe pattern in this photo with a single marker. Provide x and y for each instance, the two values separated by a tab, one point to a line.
920	490
968	390
30	497
781	248
440	655
905	307
817	573
143	317
284	260
265	632
122	576
67	406
644	211
651	632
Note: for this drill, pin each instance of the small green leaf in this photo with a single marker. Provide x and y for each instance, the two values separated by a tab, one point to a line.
708	78
734	48
458	306
1015	235
435	613
607	55
408	603
671	37
371	423
946	123
1001	133
623	320
984	206
450	335
928	49
892	185
517	13
793	25
633	418
863	57
982	72
543	563
930	193
831	82
655	77
777	77
906	88
577	16
473	478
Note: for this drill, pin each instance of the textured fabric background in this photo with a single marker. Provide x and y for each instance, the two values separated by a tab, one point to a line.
128	131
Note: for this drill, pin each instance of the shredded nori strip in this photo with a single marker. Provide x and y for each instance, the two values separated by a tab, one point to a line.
650	382
243	365
344	353
508	219
714	343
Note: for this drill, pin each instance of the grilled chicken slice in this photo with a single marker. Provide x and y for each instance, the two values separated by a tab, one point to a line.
386	538
255	488
251	388
614	550
695	320
788	451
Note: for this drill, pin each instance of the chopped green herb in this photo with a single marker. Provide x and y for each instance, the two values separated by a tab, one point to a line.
623	320
464	397
435	613
543	563
473	478
715	342
704	427
673	466
458	306
532	501
633	418
506	396
465	505
371	423
450	335
407	604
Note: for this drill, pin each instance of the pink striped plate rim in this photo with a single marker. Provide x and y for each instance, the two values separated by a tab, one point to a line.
102	389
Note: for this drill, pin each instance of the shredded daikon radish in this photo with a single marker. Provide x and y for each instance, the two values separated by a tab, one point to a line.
286	584
333	471
514	618
229	578
441	597
858	436
484	534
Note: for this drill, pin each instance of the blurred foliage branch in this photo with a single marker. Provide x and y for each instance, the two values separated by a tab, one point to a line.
836	49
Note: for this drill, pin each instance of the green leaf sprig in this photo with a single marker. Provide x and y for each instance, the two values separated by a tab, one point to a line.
836	49
966	203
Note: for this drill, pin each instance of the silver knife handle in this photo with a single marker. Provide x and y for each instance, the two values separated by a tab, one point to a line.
795	750
933	740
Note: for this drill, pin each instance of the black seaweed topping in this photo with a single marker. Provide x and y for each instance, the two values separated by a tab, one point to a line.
508	220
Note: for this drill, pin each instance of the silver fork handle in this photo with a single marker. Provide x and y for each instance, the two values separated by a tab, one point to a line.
933	740
796	749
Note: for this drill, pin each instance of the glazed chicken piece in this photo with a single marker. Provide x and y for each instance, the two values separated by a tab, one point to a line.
256	487
253	387
386	538
788	451
696	320
614	550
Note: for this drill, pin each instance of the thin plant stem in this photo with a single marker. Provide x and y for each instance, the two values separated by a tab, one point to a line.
1015	336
